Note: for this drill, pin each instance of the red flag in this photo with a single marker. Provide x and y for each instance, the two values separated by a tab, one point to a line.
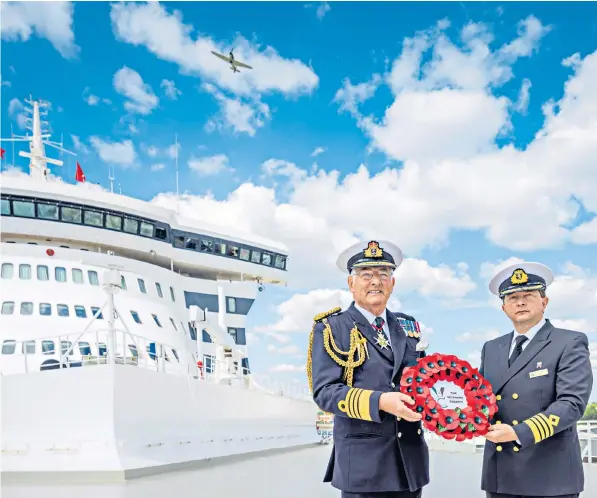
80	176
2	151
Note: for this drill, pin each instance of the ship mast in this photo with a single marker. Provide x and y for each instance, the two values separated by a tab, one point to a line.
38	139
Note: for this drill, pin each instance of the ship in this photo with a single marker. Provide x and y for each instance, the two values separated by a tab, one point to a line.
123	332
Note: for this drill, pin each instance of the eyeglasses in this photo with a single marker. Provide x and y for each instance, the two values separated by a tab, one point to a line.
368	274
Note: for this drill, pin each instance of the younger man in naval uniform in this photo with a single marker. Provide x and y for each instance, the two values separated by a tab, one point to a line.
542	379
354	365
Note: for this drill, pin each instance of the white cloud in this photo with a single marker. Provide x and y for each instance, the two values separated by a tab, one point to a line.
141	98
16	110
50	20
478	337
158	167
122	153
170	89
241	116
317	151
287	368
524	96
165	35
351	96
322	10
210	165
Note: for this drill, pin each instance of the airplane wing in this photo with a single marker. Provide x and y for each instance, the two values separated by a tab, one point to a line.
242	64
223	57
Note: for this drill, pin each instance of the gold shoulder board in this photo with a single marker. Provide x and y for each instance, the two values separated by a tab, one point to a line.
325	314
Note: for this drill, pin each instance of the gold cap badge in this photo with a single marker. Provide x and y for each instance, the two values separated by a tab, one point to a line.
373	250
519	277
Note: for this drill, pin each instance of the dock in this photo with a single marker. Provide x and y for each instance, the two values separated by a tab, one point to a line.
292	474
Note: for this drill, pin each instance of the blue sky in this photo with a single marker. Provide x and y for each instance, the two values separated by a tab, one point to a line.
463	132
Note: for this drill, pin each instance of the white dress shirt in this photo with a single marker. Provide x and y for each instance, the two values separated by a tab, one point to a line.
529	335
371	319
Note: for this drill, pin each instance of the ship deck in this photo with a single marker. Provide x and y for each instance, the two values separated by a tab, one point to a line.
293	474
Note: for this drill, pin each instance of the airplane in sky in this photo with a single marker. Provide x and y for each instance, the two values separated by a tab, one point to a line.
234	64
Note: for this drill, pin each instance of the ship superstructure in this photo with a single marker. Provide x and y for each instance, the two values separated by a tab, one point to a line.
104	291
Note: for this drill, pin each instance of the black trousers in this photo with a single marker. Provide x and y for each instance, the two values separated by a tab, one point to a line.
386	494
500	495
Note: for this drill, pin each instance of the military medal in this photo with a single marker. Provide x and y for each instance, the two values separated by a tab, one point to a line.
381	340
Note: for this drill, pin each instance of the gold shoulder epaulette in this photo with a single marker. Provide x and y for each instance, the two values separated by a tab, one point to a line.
325	314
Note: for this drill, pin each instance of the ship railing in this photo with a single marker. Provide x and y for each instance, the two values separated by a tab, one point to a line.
98	346
228	372
94	347
587	435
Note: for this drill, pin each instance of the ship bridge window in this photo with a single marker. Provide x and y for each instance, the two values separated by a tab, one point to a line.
179	242
131	226
7	270
45	309
80	311
161	233
190	243
84	348
28	347
77	276
280	262
62	310
4	206
93	218
245	254
158	288
207	245
47	211
48	347
113	222
9	346
232	251
135	316
220	248
256	257
25	272
142	287
43	273
146	229
60	274
95	310
267	259
65	346
93	278
23	208
122	282
172	294
8	307
156	320
71	214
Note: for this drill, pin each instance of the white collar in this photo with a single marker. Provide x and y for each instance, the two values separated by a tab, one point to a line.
370	316
532	332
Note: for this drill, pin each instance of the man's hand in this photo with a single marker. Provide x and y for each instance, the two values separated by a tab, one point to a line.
394	403
501	433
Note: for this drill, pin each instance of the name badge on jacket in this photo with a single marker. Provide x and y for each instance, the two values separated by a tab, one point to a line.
538	373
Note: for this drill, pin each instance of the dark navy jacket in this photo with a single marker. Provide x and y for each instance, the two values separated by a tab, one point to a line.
373	451
542	395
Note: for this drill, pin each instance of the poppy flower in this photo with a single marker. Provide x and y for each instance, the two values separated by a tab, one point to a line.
449	419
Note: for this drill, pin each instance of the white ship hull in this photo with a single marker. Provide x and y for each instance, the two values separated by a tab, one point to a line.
113	422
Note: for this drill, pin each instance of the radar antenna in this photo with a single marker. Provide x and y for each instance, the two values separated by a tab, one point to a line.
39	138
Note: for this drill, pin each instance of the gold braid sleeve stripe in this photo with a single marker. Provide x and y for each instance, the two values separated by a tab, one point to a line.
356	403
542	426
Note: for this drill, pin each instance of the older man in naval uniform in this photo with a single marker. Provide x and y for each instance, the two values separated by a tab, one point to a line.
355	361
542	379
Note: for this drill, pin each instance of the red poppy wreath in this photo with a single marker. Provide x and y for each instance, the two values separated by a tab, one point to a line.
460	422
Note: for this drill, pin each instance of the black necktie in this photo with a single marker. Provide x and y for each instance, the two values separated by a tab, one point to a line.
517	349
379	323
